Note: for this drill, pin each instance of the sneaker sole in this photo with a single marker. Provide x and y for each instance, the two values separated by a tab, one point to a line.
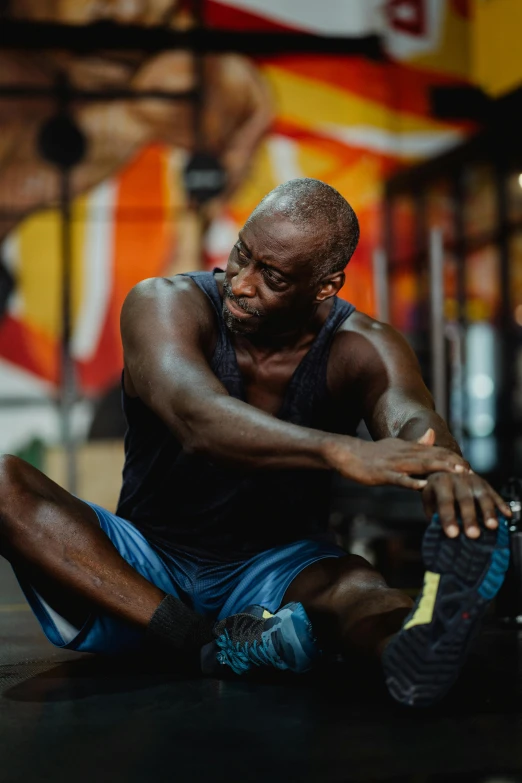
423	661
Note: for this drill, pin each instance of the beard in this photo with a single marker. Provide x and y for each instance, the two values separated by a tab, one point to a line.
232	322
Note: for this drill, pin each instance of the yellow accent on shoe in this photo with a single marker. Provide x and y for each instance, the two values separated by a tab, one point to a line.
424	612
266	614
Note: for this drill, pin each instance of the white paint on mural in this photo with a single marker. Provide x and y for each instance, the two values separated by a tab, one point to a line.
16	382
219	240
96	270
11	259
34	415
413	27
411	144
284	156
329	17
409	27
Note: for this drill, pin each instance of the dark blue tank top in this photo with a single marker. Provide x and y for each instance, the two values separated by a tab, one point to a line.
180	500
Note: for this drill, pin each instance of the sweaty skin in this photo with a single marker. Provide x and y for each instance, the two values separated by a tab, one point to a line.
274	306
274	313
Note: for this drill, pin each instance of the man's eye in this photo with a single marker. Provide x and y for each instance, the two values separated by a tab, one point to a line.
272	277
241	253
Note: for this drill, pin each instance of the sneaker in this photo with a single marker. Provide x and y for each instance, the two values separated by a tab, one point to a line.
255	637
423	660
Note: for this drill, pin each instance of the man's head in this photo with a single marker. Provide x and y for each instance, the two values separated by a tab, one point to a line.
289	258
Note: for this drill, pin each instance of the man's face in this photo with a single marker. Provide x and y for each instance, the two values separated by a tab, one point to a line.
268	287
146	12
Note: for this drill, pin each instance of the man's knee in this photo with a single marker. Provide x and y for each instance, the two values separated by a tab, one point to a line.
12	480
351	579
17	495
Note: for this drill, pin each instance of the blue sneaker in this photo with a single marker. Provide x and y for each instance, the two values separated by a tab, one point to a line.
255	637
423	660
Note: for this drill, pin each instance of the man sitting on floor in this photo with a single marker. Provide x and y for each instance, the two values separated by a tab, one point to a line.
243	390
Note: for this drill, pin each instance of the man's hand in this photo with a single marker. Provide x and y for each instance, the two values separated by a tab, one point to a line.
393	461
464	495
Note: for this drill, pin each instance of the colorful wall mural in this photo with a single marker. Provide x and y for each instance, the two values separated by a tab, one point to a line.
348	120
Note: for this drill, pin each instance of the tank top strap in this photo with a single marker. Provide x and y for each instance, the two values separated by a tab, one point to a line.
224	362
308	388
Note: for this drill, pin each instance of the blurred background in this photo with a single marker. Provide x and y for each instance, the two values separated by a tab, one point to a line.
137	136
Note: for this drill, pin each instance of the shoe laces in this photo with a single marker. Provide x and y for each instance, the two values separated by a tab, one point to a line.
240	655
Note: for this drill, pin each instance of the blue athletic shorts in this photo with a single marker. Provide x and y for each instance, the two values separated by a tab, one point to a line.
210	587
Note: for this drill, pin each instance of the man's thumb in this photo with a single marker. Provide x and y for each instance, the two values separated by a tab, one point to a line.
428	439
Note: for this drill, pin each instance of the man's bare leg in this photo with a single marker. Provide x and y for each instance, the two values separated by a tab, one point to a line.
353	610
57	540
351	607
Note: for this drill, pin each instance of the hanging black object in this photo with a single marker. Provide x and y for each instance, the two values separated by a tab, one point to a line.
61	142
204	177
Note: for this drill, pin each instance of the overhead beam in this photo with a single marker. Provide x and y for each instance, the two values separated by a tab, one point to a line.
15	34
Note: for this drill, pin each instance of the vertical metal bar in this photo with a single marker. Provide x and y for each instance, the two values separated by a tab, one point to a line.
457	331
438	351
196	220
199	80
67	380
505	424
381	284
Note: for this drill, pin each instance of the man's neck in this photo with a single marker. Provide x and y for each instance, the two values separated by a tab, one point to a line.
295	338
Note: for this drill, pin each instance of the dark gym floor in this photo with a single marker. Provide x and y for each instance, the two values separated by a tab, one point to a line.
68	717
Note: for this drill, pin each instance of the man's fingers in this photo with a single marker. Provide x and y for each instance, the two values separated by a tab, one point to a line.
428	501
402	480
500	503
467	509
437	466
444	497
437	458
488	510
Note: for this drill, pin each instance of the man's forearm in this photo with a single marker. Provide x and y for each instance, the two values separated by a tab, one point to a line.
229	430
417	425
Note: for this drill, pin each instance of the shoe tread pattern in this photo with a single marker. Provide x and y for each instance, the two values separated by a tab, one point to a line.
423	662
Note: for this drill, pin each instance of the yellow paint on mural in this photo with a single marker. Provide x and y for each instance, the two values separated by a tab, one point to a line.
452	55
497	55
262	180
315	161
40	271
361	183
316	104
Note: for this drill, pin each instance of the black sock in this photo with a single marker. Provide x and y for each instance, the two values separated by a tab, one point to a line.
177	626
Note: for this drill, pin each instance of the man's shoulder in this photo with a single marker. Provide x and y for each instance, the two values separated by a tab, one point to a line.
360	343
178	289
165	286
174	300
360	329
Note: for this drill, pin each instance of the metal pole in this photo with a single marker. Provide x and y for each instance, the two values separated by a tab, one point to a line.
67	379
438	350
381	285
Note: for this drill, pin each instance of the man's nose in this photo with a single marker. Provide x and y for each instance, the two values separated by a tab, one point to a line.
242	284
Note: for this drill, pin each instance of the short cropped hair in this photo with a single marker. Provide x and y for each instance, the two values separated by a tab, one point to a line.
312	203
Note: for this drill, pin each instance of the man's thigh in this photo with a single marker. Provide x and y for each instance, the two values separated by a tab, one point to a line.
334	579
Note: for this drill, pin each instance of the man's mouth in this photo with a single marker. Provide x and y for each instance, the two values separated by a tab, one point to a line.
235	310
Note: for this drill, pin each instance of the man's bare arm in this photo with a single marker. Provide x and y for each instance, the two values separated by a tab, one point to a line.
167	332
398	404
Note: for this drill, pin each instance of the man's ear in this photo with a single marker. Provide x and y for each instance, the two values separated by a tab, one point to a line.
330	286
